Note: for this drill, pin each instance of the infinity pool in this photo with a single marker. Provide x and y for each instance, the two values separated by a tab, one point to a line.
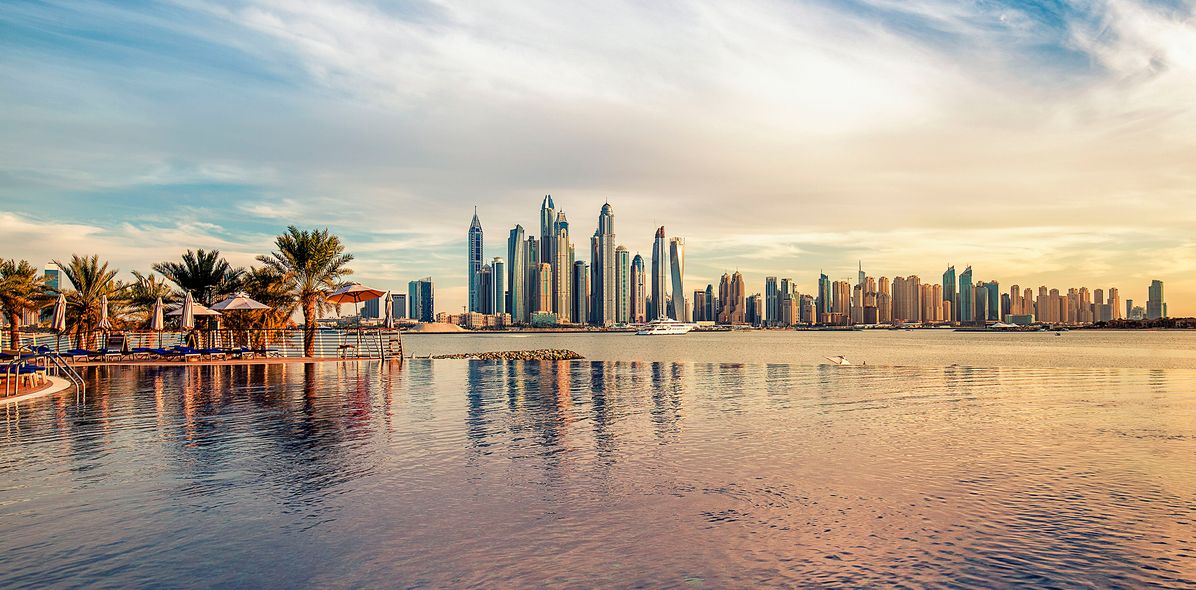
607	474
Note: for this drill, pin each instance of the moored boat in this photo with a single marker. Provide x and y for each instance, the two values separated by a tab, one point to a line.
665	327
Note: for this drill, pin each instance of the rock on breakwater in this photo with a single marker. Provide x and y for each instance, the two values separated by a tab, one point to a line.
544	354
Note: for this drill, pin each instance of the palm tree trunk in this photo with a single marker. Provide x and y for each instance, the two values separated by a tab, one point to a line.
309	328
14	331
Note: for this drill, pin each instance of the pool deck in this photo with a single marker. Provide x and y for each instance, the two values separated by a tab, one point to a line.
224	362
54	385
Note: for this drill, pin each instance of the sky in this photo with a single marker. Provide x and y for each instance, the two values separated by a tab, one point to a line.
1043	143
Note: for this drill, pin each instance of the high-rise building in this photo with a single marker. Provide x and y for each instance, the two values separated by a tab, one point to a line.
623	282
772	302
1129	309
753	311
660	276
711	311
53	279
994	301
951	293
531	287
421	297
486	289
398	305
581	287
724	298
548	220
1156	306
544	288
699	302
732	299
966	305
823	302
639	309
371	309
1114	304
517	303
604	283
678	309
562	269
475	263
500	284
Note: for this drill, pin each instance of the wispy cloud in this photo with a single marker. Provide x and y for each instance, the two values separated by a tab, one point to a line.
780	137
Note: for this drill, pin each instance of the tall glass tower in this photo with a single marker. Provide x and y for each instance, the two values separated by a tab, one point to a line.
517	276
562	269
623	291
475	263
500	284
677	307
966	291
603	270
772	302
660	276
951	293
1156	306
823	304
639	308
547	230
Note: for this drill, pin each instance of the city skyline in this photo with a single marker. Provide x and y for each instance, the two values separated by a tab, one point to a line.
959	298
1043	144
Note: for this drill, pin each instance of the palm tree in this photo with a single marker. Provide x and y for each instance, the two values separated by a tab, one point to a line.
204	273
93	281
311	264
22	290
143	293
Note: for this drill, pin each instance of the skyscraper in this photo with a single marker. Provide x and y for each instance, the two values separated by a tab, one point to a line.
711	312
548	219
1156	306
822	303
486	289
623	282
724	298
421	297
517	276
475	263
699	303
603	269
772	302
562	270
544	288
678	310
500	284
531	279
951	293
967	310
639	310
660	276
581	288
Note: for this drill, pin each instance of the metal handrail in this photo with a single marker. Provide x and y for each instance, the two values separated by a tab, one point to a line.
60	367
71	374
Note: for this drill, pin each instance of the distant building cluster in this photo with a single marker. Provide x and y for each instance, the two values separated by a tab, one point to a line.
541	282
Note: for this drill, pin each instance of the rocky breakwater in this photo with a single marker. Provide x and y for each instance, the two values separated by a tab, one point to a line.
544	354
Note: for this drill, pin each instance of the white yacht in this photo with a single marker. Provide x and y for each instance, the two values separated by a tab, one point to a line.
665	327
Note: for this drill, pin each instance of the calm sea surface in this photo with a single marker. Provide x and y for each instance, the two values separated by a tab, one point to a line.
709	461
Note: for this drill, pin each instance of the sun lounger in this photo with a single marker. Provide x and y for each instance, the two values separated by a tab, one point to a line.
77	353
187	353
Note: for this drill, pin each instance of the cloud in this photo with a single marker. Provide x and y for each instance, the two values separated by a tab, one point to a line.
779	137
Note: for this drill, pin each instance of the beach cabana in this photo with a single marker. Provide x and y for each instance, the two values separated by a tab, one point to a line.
239	302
